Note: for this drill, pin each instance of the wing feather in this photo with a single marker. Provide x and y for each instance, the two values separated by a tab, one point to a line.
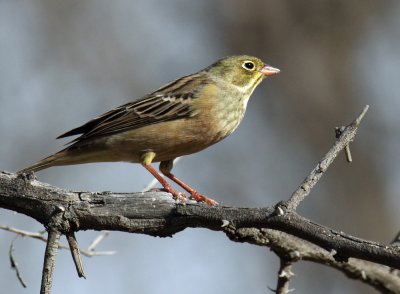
170	102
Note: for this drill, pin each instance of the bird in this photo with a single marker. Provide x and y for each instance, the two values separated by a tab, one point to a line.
182	117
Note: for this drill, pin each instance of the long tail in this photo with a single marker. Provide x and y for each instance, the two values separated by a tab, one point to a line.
42	164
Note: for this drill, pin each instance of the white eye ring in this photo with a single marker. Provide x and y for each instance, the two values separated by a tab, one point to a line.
248	65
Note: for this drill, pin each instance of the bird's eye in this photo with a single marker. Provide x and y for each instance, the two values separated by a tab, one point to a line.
248	65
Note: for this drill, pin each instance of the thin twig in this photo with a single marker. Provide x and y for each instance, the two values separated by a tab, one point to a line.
97	240
22	233
344	139
14	264
49	260
150	185
76	256
396	240
89	252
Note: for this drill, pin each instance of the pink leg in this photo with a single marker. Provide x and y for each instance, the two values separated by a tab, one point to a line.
177	195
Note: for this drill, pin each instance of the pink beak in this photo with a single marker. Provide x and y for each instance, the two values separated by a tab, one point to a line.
268	70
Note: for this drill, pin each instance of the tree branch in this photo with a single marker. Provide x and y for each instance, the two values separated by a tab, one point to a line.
155	213
345	136
292	247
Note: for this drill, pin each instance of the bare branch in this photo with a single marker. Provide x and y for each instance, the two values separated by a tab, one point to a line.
76	255
49	260
98	240
89	252
157	214
344	140
23	233
284	275
14	264
284	244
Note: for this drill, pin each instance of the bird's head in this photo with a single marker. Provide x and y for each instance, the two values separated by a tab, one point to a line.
243	71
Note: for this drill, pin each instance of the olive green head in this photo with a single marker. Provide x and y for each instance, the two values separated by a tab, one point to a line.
243	71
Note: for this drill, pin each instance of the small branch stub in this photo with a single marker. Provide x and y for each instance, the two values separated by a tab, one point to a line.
76	255
49	260
347	152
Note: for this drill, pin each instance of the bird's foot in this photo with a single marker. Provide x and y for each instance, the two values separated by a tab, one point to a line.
180	196
201	198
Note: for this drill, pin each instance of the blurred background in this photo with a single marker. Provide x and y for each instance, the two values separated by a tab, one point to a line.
64	62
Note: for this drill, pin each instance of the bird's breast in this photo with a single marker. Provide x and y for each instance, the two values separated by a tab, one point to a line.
229	115
222	111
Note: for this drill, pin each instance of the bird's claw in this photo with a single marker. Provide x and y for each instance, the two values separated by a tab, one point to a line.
179	196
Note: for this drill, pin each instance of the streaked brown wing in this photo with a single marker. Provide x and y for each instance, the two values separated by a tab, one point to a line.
170	102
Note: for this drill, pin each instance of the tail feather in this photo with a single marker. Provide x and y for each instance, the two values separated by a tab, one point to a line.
42	164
